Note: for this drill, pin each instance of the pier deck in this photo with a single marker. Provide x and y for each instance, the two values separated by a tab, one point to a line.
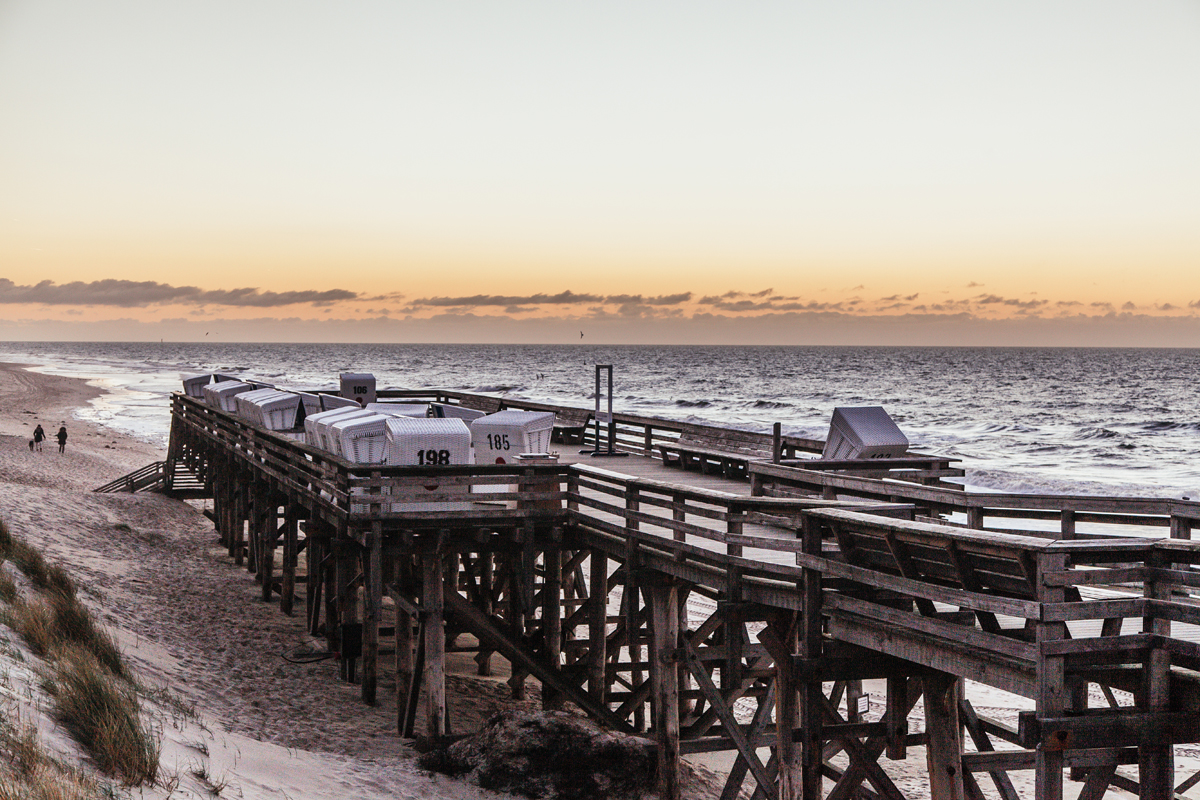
579	573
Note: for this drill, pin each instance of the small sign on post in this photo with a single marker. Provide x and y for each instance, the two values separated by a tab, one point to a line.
604	418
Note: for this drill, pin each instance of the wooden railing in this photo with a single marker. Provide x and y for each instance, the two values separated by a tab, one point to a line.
1176	517
359	494
984	605
149	476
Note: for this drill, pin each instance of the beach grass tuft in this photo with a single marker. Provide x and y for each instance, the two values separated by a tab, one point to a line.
27	559
27	772
102	712
92	687
34	621
8	587
74	623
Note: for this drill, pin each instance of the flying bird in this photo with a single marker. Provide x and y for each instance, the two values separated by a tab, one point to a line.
581	334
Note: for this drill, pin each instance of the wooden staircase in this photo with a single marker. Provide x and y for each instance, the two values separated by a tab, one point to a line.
157	477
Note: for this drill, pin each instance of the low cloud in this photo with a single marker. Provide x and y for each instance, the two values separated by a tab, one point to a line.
562	298
992	299
135	294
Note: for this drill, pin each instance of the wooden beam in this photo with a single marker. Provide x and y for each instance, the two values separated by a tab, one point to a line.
663	599
485	629
944	751
433	601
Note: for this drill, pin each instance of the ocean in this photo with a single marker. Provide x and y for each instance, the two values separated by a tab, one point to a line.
1048	420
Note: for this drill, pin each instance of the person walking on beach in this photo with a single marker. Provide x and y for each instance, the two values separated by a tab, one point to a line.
62	438
38	436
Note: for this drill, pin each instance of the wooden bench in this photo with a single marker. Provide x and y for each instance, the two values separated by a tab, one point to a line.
570	424
726	452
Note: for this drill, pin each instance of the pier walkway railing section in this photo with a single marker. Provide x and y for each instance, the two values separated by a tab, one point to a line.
715	621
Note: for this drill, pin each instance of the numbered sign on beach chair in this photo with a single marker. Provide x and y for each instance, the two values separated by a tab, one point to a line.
499	438
429	443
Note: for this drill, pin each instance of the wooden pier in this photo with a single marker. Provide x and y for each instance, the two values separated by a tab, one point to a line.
668	602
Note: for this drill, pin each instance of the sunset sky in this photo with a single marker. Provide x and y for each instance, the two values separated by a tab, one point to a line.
770	172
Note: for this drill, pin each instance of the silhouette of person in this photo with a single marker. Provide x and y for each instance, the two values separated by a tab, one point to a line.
62	438
38	436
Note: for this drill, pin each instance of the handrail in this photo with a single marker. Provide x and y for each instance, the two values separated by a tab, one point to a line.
1178	515
138	479
622	508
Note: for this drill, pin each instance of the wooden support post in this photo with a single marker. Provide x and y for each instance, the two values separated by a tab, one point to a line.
433	605
631	599
975	518
346	603
777	443
1181	528
330	574
1067	523
598	626
254	527
678	514
314	552
854	691
685	675
733	526
733	631
573	490
268	536
487	588
1156	763
788	752
1052	696
372	558
404	658
944	731
237	539
552	619
291	541
896	717
516	611
221	510
813	701
664	612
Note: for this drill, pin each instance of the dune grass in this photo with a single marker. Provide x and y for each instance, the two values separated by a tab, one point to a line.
101	710
32	774
92	687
